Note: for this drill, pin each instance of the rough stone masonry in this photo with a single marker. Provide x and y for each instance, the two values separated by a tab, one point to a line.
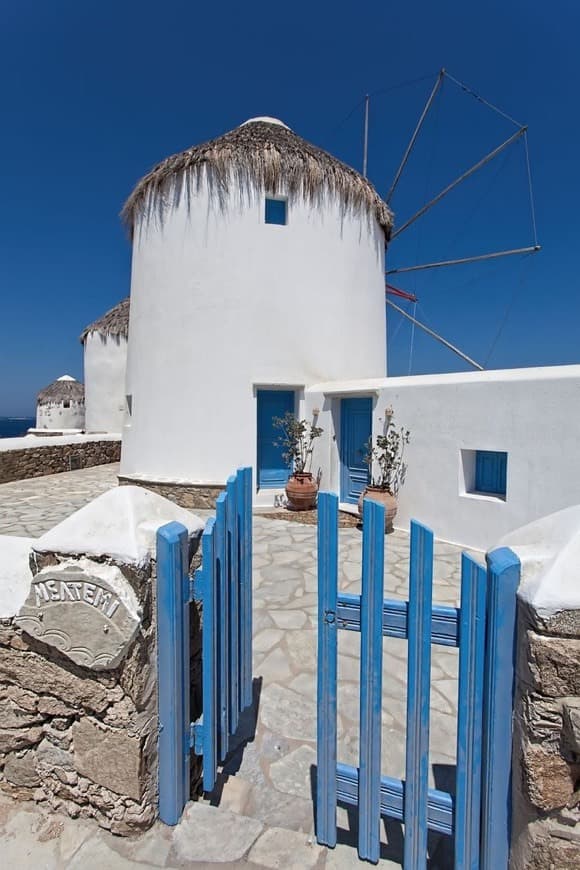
78	671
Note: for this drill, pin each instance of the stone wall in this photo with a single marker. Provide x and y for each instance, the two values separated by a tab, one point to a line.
186	495
82	740
40	459
546	760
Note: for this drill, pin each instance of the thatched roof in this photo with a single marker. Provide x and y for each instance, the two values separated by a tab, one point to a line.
61	389
261	153
115	322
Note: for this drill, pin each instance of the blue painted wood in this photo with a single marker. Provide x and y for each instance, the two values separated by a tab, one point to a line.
327	669
491	472
223	620
470	714
275	211
272	469
234	604
355	430
244	500
444	620
209	587
439	803
503	575
173	670
371	678
418	695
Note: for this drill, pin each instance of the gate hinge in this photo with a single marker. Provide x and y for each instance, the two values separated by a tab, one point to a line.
196	736
197	586
329	617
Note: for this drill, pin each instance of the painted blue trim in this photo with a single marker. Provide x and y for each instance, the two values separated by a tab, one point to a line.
371	680
470	714
244	503
418	695
275	211
444	619
173	670
439	803
327	669
234	609
491	472
503	576
209	657
223	620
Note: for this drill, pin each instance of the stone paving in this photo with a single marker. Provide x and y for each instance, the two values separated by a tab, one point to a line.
261	813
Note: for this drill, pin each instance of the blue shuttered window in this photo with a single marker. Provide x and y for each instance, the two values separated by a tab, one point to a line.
491	472
275	211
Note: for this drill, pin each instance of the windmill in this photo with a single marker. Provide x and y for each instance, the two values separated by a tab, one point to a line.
519	134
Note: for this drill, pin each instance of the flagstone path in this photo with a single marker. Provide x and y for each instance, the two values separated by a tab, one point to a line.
261	812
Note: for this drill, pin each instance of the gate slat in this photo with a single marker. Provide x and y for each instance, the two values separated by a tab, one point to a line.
209	656
327	669
244	504
470	709
503	574
234	612
173	670
418	696
371	672
222	625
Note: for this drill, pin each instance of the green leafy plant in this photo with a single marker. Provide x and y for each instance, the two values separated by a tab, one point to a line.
297	438
385	458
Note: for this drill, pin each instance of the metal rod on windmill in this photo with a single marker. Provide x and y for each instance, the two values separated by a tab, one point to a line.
457	181
531	249
411	144
366	136
435	335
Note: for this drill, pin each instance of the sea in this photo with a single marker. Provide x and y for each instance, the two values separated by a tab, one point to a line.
12	427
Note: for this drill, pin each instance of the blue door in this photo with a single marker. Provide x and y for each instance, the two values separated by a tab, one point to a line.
355	431
272	470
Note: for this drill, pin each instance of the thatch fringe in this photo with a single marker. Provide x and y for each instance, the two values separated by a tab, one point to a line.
114	323
62	389
258	154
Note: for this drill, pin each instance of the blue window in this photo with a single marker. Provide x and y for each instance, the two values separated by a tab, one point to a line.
491	472
275	212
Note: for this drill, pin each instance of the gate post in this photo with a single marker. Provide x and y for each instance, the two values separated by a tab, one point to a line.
173	670
503	576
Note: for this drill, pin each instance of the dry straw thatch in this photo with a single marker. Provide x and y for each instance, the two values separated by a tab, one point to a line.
114	323
261	154
61	390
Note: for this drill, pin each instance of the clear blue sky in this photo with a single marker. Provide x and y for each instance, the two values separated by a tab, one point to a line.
94	93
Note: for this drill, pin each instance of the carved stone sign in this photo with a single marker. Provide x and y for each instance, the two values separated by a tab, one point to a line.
85	609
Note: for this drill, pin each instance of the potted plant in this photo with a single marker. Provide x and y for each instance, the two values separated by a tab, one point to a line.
386	468
297	438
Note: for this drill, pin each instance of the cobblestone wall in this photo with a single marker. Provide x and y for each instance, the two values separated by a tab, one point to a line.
82	741
36	461
546	760
186	495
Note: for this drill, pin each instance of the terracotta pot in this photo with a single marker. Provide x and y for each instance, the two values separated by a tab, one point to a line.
301	491
384	497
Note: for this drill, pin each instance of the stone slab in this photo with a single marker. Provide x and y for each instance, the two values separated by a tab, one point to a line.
108	757
212	835
290	850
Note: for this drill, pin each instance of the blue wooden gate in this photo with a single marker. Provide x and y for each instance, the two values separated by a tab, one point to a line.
483	628
223	585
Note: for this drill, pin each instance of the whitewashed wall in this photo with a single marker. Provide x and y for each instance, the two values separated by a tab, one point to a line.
533	414
55	416
221	303
105	362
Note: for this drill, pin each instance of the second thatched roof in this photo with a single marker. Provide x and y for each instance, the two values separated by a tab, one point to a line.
262	153
115	322
64	388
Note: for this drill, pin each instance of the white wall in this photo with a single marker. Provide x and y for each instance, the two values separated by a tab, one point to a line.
221	303
55	416
105	362
533	414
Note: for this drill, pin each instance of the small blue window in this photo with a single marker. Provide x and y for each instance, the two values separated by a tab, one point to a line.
275	211
491	472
